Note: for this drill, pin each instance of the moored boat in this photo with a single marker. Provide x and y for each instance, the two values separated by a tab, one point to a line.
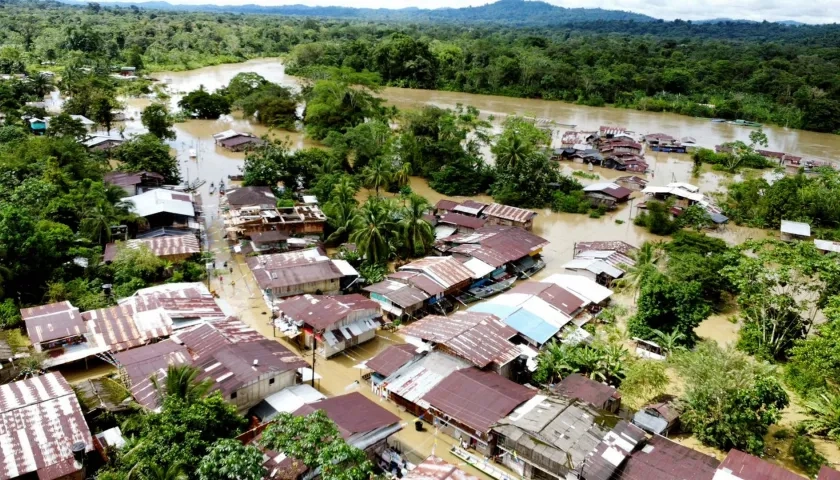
478	293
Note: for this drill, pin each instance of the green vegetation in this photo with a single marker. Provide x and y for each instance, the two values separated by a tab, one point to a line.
816	358
204	105
147	152
644	380
270	104
805	455
600	361
228	459
158	121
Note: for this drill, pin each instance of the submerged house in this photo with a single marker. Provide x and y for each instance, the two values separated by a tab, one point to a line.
601	266
632	182
165	208
505	215
504	249
102	143
602	396
391	359
447	272
658	418
791	231
331	324
398	300
237	141
300	272
174	248
135	183
607	193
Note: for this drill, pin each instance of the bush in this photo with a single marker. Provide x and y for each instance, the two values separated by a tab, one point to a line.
805	455
657	219
573	202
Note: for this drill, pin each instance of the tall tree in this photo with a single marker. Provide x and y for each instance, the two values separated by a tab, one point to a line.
373	230
158	121
418	234
181	382
229	459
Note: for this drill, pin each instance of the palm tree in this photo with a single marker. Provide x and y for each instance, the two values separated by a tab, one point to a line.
157	472
341	217
512	151
417	233
181	382
669	342
377	174
97	222
373	229
344	191
646	258
824	409
402	176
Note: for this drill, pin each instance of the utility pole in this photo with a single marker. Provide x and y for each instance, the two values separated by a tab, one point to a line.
314	348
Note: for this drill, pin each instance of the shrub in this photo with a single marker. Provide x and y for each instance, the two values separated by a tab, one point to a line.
805	455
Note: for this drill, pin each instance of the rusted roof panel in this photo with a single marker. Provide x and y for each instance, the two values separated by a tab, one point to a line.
247	196
445	204
480	338
582	388
352	413
477	399
392	358
460	220
614	245
44	327
747	467
553	294
270	236
828	473
445	271
178	300
40	419
435	468
507	243
608	188
297	275
507	212
662	459
398	293
323	311
117	327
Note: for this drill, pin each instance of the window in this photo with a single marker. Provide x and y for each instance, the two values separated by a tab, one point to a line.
233	395
271	381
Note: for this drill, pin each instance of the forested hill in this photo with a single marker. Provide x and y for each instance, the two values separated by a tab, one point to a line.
509	12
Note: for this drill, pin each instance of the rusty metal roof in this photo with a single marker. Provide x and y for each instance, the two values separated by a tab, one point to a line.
662	459
124	179
446	271
178	300
392	358
608	188
419	280
553	294
352	413
151	360
582	388
507	212
40	419
293	268
744	466
445	204
398	293
460	220
53	322
435	468
480	338
246	196
477	399
323	311
121	330
610	245
828	473
506	242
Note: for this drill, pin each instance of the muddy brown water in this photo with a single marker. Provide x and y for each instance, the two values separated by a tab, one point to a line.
213	164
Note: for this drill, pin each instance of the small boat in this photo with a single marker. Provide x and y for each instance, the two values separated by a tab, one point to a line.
222	187
718	120
212	189
478	293
745	123
193	153
689	140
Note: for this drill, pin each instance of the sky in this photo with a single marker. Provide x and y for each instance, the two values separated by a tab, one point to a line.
811	11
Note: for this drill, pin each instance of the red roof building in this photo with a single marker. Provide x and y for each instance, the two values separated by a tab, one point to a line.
742	466
602	396
435	468
392	358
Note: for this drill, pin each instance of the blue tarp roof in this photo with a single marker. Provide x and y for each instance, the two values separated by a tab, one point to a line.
531	326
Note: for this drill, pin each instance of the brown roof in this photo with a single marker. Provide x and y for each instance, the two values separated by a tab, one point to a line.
609	456
53	322
124	179
435	468
151	360
445	204
508	213
612	189
477	399
297	274
270	236
40	419
662	459
460	220
827	473
418	280
120	330
610	245
480	338
240	140
747	467
446	271
163	246
323	311
187	300
560	298
233	367
582	388
398	293
507	243
392	358
248	196
352	413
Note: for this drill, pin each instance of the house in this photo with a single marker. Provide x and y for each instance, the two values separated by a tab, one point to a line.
447	272
548	437
505	215
450	223
165	208
504	248
101	143
435	468
607	193
397	299
254	209
338	323
172	248
185	304
241	143
597	295
59	331
444	206
601	266
121	328
250	196
300	272
128	71
390	360
470	208
287	400
269	241
407	386
135	183
37	126
660	142
742	466
479	338
538	311
618	246
658	418
244	366
791	231
602	396
632	183
468	402
607	459
828	473
43	432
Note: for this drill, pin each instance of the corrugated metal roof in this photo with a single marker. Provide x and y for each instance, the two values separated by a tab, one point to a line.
507	212
398	293
352	413
743	466
828	473
151	360
477	399
531	326
480	338
612	189
460	220
413	380
40	419
250	196
323	311
392	359
419	280
444	204
445	271
178	300
120	331
52	322
588	390
607	459
166	245
270	236
435	468
161	200
470	207
584	288
796	228
507	243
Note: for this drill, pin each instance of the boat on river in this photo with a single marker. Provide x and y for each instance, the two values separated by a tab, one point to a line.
195	185
222	187
212	189
745	123
484	291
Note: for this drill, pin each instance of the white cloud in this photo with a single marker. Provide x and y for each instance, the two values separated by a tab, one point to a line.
813	11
